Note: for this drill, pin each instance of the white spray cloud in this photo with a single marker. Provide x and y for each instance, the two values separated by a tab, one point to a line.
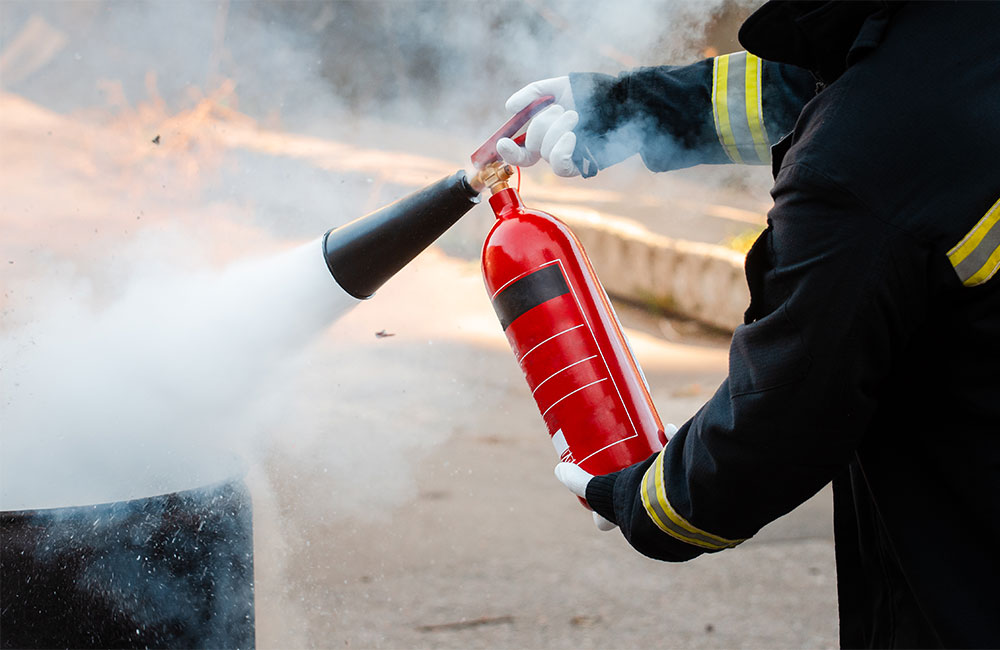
158	390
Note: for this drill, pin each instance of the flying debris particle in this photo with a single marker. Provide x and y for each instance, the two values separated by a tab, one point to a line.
156	140
382	334
709	628
466	624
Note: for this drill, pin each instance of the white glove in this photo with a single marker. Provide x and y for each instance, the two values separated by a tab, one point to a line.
550	133
576	479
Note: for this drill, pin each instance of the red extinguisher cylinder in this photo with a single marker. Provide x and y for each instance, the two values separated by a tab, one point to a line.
568	341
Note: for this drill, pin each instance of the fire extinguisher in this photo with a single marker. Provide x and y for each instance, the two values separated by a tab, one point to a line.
561	326
552	307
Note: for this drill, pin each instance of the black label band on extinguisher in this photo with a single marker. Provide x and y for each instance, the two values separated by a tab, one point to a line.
527	293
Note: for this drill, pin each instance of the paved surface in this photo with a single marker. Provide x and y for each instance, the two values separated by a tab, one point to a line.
480	547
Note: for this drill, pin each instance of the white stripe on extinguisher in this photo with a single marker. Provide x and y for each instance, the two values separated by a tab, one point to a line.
571	393
593	356
609	446
521	360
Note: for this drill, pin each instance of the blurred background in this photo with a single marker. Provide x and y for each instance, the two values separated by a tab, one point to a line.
401	478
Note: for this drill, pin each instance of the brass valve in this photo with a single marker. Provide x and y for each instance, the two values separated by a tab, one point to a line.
494	176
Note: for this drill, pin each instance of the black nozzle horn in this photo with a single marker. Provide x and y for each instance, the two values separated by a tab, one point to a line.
366	252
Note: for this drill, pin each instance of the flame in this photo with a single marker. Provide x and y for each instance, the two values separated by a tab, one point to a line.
189	144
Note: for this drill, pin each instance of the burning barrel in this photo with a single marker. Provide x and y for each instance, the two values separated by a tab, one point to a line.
173	570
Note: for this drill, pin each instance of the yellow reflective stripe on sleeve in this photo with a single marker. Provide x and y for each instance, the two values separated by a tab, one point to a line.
737	107
654	500
720	106
987	271
755	111
976	257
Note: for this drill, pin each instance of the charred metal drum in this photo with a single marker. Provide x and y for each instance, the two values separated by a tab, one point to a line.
174	570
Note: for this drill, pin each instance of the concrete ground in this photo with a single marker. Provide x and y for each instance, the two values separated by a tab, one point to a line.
488	550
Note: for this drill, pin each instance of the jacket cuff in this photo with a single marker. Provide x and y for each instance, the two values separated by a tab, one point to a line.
662	113
600	495
599	100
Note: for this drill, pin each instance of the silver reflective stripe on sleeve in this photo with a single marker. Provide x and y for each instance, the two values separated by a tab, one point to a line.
977	257
654	499
737	108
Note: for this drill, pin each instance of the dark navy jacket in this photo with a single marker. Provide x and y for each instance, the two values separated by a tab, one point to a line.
870	353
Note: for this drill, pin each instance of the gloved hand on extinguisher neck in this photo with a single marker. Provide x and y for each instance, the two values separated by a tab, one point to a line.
550	134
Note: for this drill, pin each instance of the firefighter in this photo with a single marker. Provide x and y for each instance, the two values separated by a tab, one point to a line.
870	351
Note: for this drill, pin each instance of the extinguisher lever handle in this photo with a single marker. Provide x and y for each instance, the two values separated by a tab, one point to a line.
487	153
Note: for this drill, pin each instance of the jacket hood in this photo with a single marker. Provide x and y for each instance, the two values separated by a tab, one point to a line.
823	37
